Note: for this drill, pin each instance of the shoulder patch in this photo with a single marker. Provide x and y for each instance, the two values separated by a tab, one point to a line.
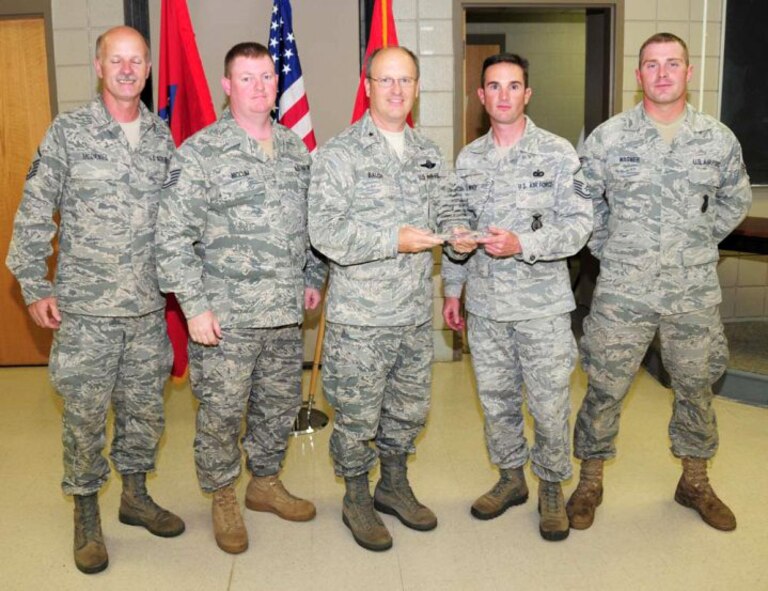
173	178
580	189
32	172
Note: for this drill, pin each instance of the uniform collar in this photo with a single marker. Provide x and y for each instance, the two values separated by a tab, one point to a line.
106	122
527	143
236	137
369	135
638	121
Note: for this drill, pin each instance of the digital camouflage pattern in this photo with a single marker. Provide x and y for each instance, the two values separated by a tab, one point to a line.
360	195
537	192
98	360
660	212
112	344
255	370
378	342
540	353
378	380
107	196
232	238
232	228
615	341
519	328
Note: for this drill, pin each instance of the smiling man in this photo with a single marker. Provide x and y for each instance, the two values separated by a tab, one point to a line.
233	247
524	187
667	184
101	168
371	214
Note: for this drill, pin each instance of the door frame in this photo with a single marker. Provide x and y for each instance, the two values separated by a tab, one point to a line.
37	8
616	8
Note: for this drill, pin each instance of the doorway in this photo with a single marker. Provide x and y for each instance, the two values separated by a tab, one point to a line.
573	49
25	116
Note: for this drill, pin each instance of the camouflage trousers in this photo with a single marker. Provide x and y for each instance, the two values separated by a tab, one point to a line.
254	372
694	352
378	380
96	361
540	353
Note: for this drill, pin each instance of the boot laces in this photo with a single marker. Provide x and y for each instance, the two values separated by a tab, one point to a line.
549	492
227	502
90	519
498	491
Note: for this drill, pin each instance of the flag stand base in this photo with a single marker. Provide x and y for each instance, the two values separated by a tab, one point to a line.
309	420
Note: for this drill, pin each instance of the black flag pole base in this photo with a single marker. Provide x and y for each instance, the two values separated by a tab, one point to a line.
309	420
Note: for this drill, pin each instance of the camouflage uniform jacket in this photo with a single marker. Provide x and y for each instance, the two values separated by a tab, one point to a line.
360	195
106	195
537	192
232	228
661	210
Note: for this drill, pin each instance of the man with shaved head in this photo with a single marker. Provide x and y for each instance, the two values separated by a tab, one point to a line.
101	168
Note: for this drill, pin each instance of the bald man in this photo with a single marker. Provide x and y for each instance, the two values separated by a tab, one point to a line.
101	168
372	213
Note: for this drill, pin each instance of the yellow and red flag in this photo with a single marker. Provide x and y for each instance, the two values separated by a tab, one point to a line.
382	34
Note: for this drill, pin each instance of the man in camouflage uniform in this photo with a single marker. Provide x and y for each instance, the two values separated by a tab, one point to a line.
523	185
668	183
370	214
233	247
101	167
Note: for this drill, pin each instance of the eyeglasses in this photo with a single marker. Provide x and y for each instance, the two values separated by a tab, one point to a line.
387	82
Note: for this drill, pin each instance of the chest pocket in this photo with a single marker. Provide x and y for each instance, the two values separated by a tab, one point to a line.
241	202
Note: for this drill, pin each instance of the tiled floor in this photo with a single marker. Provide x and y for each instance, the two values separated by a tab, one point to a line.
641	539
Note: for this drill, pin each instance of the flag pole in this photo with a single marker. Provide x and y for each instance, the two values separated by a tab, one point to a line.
311	419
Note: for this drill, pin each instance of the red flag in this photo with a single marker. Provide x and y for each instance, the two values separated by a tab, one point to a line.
184	101
382	34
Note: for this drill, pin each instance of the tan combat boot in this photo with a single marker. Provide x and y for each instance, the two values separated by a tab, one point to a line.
394	496
267	493
138	508
694	491
553	522
508	491
90	551
588	495
228	527
358	515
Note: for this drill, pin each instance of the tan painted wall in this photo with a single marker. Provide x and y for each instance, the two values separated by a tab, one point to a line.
327	33
327	37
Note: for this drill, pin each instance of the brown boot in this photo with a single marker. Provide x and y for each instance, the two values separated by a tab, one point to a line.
358	515
90	551
394	496
228	527
138	508
588	495
508	491
267	493
553	522
694	491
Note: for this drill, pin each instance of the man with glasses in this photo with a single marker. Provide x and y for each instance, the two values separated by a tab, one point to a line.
370	214
524	188
667	184
233	247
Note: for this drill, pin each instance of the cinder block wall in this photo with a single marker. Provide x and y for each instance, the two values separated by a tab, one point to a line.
76	26
426	27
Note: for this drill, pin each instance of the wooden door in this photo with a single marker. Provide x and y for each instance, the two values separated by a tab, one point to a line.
475	118
25	114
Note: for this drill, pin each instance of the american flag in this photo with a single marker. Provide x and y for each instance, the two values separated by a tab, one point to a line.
292	103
